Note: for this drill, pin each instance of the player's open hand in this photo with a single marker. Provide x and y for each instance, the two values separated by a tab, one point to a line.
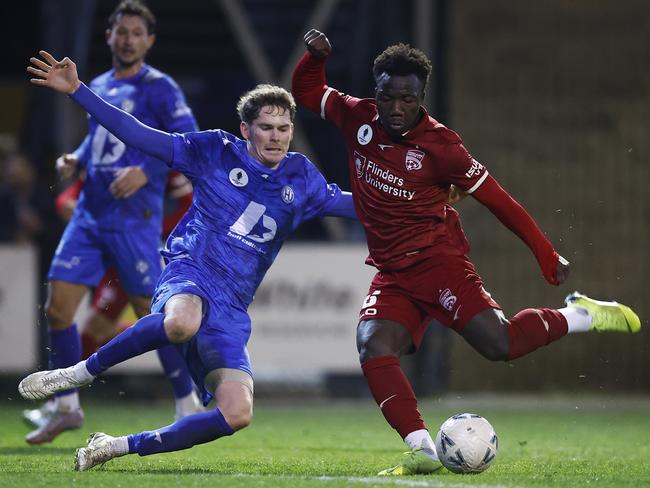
66	164
318	44
58	75
127	182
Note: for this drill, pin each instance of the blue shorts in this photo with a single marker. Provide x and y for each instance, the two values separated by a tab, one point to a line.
84	255
225	328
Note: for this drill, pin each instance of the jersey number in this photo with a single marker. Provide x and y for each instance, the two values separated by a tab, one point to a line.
106	147
249	218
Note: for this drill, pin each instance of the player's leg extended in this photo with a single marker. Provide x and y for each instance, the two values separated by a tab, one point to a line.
178	324
380	344
64	350
234	396
499	339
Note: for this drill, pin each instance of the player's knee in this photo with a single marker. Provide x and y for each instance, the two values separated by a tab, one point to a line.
57	316
238	415
375	341
181	328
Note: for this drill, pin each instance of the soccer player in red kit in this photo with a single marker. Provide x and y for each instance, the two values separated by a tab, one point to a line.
402	165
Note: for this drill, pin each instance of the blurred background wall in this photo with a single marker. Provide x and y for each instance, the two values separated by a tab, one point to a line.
552	96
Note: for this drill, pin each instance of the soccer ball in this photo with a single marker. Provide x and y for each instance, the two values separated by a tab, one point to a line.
466	443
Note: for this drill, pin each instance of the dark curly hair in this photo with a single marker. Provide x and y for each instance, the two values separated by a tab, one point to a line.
402	59
251	102
135	8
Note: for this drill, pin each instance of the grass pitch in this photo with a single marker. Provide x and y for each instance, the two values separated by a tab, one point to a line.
566	443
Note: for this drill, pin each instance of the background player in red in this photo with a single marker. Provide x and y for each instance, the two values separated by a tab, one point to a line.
402	165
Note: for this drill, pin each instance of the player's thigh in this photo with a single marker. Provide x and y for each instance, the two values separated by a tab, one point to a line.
78	257
183	316
63	299
390	322
487	332
136	257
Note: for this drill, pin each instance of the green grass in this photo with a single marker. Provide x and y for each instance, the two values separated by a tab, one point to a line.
344	445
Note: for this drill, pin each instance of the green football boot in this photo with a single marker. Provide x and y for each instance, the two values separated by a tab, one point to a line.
606	316
414	462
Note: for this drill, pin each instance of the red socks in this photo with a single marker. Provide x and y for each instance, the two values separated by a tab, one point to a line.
393	393
533	328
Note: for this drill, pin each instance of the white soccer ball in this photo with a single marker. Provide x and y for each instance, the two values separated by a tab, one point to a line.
466	443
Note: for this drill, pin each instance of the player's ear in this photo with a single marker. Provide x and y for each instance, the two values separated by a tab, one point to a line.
107	35
245	130
151	39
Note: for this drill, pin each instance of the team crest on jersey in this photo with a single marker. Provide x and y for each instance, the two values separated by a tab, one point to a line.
414	160
128	105
359	164
238	177
447	299
364	134
287	194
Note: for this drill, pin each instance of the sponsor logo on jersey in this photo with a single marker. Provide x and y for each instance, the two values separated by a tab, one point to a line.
364	134
447	299
359	164
383	179
384	146
238	177
287	194
475	169
414	160
128	105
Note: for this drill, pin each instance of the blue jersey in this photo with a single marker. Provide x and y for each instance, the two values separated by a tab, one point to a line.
155	99
242	211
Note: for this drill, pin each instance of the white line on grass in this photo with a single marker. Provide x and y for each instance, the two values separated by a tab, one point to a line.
376	481
403	482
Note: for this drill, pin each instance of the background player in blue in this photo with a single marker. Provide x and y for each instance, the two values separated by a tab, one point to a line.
248	196
118	220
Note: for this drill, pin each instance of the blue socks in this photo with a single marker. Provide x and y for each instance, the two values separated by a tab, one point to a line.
146	334
176	370
65	350
182	434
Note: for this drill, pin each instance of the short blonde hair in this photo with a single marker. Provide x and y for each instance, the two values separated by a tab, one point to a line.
251	102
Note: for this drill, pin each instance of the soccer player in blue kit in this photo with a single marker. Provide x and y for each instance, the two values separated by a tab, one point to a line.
118	220
249	195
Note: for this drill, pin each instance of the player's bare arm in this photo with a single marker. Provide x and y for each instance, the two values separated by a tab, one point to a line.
58	75
317	43
128	181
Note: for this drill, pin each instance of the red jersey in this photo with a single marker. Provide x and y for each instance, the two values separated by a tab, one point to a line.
401	187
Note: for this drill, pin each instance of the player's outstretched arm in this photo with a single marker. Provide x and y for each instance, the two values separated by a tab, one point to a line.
511	214
62	77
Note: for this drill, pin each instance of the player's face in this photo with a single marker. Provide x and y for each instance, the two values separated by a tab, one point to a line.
129	41
398	101
269	135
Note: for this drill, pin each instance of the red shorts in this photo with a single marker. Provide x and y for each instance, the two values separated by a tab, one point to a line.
444	288
109	298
